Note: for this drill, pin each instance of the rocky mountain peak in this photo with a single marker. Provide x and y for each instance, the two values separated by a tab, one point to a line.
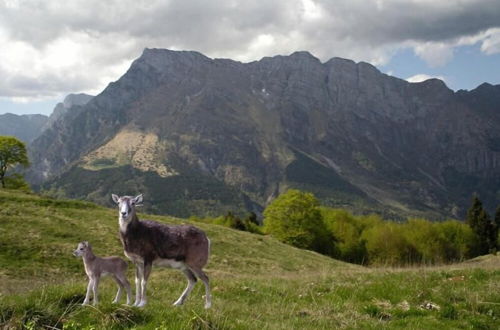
163	59
76	99
303	55
62	108
216	126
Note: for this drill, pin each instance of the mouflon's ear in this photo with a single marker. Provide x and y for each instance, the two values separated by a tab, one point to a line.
137	199
116	199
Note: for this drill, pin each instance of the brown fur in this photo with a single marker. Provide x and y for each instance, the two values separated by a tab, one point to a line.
95	267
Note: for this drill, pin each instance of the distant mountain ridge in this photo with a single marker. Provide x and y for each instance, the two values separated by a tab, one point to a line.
210	135
29	127
24	127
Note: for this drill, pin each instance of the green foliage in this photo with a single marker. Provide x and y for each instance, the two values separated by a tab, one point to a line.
457	238
485	229
230	220
366	239
346	230
295	218
497	228
16	181
12	153
180	195
387	244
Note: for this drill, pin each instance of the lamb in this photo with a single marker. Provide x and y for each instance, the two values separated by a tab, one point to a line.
149	243
95	267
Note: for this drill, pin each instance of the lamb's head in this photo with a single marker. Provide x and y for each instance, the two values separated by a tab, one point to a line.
126	206
81	249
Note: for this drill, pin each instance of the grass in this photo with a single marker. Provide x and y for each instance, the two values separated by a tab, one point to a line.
258	283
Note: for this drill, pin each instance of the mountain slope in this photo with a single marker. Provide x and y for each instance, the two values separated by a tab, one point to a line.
38	235
354	136
258	282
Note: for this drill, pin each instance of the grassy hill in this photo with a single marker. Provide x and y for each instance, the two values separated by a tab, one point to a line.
258	282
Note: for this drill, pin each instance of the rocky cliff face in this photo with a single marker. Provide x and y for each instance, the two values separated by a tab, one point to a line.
62	107
199	133
24	127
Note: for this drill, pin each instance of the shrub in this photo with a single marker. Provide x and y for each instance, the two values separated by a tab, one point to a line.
295	218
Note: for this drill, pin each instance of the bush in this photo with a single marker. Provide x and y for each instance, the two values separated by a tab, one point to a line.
231	221
17	181
386	244
346	231
295	218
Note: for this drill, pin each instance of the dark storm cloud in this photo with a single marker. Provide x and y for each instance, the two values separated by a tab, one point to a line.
111	32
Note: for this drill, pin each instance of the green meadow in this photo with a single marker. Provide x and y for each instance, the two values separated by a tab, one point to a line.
258	282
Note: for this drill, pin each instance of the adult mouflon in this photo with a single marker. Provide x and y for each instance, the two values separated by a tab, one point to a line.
149	243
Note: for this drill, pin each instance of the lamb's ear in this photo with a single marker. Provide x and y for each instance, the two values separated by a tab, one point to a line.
116	199
86	243
137	199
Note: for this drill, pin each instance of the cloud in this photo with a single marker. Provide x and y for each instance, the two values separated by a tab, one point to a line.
435	54
423	77
491	42
54	47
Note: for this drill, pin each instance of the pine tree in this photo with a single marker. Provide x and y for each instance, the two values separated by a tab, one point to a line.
497	228
483	227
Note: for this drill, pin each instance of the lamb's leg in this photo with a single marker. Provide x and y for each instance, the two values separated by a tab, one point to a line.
139	271
95	285
129	290
145	276
119	293
125	283
204	278
87	295
191	283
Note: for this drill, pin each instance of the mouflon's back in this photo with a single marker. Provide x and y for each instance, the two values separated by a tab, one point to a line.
153	240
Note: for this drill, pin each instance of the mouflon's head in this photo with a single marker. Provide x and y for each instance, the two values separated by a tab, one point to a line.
81	249
126	206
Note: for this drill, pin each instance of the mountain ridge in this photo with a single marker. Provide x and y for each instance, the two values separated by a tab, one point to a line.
404	146
24	127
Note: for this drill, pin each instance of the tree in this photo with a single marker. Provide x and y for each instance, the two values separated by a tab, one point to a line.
294	218
12	153
497	228
483	227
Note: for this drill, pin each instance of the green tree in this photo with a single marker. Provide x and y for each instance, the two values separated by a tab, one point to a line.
295	218
497	227
386	244
482	226
346	229
459	239
12	153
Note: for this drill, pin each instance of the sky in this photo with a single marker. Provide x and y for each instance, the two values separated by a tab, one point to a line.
50	48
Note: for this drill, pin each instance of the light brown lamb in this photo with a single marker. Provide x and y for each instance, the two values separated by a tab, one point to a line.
95	267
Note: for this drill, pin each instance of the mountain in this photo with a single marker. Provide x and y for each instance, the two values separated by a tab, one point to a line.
201	135
24	127
62	107
28	127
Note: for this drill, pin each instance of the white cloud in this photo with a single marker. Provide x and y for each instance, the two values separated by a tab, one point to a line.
55	47
435	54
491	43
423	77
